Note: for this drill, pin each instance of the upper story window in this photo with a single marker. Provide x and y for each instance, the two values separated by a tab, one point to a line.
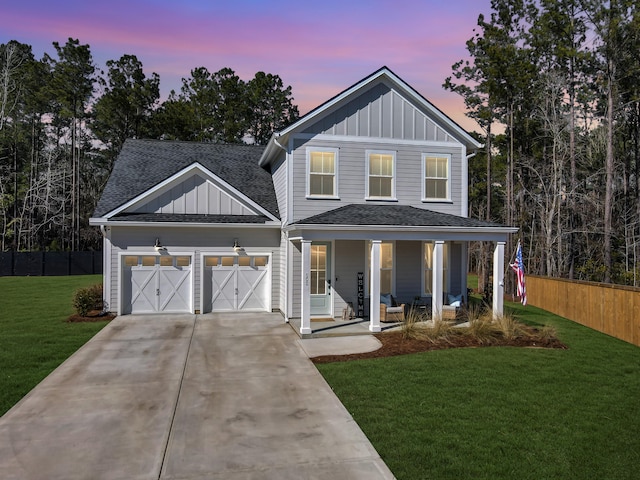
381	182
436	177
322	176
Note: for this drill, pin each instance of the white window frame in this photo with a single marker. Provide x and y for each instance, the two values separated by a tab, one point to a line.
367	278
447	197
336	164
368	196
446	249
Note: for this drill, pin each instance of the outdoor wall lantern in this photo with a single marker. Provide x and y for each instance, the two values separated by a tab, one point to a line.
158	246
236	246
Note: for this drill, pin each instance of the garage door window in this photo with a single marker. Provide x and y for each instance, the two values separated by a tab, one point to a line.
211	261
148	261
183	261
130	261
228	261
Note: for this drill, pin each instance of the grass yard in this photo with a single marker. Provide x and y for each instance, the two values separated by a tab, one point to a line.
34	335
501	412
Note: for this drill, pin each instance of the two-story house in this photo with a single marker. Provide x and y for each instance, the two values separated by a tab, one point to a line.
365	195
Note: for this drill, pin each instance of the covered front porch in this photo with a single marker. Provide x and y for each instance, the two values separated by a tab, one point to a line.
346	267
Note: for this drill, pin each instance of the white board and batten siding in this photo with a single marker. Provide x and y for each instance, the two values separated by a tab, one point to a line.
195	195
382	112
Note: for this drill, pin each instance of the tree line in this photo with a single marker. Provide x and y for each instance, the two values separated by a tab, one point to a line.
554	86
63	122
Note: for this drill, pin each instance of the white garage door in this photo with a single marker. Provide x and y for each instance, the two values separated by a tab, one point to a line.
236	283
154	284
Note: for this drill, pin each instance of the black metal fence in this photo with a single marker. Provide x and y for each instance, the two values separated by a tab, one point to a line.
50	263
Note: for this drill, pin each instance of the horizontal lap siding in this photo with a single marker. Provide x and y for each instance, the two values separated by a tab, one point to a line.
409	268
380	118
279	176
194	241
349	260
352	176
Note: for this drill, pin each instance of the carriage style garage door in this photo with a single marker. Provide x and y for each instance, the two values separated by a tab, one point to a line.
154	284
236	283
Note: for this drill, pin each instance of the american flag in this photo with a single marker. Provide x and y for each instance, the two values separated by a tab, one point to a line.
518	267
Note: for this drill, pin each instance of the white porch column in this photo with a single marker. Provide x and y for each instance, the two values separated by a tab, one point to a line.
374	295
437	270
305	300
498	280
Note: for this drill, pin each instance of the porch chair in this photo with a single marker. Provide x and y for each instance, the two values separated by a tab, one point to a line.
390	311
451	306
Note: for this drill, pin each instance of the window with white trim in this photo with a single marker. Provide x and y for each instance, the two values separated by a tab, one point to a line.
436	176
386	268
428	267
322	168
381	175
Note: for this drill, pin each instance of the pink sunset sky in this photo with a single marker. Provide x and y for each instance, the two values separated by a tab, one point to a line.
318	48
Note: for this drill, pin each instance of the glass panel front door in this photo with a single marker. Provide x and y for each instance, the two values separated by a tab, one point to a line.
320	275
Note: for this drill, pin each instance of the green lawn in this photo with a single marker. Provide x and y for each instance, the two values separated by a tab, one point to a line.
502	413
34	337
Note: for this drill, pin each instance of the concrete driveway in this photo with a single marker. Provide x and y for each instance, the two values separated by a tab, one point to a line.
187	397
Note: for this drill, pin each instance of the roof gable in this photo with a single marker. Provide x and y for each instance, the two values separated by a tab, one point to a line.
192	191
382	111
148	169
383	87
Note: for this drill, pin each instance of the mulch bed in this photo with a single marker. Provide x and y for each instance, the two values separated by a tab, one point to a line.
92	316
393	344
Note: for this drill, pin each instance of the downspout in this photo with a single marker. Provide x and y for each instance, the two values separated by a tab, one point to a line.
106	274
465	179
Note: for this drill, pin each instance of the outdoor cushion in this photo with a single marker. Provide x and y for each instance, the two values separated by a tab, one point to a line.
455	300
395	309
386	299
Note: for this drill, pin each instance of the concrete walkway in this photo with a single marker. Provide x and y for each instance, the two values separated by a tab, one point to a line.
188	397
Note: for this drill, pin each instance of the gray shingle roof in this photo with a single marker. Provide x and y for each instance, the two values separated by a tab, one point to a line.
142	164
392	215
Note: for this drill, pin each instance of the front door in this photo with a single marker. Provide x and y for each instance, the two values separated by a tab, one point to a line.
321	304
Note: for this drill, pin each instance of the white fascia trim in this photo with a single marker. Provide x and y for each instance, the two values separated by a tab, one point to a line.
379	140
123	223
183	173
401	85
397	228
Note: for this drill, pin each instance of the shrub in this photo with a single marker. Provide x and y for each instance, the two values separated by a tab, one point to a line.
88	299
510	327
482	329
410	327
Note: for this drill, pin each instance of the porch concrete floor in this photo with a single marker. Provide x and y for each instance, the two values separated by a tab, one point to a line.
339	328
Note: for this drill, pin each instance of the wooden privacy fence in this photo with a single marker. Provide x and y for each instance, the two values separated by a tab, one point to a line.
611	309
